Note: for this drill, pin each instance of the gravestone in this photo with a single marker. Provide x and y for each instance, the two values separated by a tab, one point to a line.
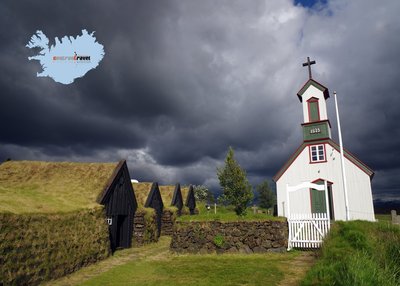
395	217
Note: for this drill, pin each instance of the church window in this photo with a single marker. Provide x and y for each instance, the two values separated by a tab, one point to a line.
317	153
313	109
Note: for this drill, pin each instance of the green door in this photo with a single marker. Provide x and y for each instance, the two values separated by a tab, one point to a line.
318	204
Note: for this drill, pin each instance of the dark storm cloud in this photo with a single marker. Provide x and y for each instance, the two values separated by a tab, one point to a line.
183	80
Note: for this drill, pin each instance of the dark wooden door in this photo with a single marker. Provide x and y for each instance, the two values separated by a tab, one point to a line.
318	204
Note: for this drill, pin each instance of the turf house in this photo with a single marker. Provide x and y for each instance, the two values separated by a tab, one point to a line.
172	195
172	198
120	203
148	197
190	201
54	217
154	201
318	160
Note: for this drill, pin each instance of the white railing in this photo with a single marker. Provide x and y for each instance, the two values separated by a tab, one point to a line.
307	230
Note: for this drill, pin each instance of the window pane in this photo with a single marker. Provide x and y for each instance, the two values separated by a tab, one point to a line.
317	153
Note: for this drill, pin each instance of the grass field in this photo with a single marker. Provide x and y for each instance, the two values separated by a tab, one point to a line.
383	217
155	265
226	214
358	253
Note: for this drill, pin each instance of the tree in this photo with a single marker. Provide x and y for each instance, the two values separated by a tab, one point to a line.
203	194
210	197
200	192
235	186
266	197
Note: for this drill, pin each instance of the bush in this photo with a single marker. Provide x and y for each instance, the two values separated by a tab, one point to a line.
219	241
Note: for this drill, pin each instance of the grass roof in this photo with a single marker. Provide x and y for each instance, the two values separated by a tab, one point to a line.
167	193
32	186
185	192
142	191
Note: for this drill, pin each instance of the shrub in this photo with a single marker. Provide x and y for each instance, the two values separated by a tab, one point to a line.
219	241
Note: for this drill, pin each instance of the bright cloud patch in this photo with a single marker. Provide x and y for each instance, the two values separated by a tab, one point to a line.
69	58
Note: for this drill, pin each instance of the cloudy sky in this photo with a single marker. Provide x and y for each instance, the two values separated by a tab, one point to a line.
183	80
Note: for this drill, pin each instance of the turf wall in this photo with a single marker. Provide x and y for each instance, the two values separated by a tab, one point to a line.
40	247
168	220
144	227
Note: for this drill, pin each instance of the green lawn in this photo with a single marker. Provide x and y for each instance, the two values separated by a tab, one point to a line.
226	214
154	264
383	217
197	270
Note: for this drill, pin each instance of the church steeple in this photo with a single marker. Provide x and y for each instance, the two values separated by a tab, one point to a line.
313	96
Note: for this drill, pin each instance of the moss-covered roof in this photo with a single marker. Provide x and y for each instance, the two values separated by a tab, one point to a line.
185	191
33	186
167	193
142	191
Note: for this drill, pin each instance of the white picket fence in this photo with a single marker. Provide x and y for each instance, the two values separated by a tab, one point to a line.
307	230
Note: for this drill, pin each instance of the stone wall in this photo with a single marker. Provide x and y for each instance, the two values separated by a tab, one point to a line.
144	227
395	217
167	222
229	237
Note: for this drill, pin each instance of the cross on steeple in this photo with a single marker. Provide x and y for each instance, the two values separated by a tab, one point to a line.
309	63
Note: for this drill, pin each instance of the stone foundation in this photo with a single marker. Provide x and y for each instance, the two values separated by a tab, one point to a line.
229	237
144	227
167	222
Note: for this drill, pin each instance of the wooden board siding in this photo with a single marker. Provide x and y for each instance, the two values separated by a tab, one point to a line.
300	170
177	200
191	200
154	201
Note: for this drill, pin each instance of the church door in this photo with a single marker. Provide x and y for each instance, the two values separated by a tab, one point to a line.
318	202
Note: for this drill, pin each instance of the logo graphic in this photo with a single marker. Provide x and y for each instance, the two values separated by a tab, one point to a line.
69	58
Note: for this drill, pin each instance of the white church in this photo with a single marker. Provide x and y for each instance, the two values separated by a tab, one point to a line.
318	160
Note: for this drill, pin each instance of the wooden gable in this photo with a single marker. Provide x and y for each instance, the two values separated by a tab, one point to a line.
177	199
191	200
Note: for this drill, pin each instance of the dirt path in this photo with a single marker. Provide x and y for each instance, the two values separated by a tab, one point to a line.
159	249
296	269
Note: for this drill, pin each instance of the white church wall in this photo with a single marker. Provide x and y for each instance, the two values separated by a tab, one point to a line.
294	175
359	193
358	182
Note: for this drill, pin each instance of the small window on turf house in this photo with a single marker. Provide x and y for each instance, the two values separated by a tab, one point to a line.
317	153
